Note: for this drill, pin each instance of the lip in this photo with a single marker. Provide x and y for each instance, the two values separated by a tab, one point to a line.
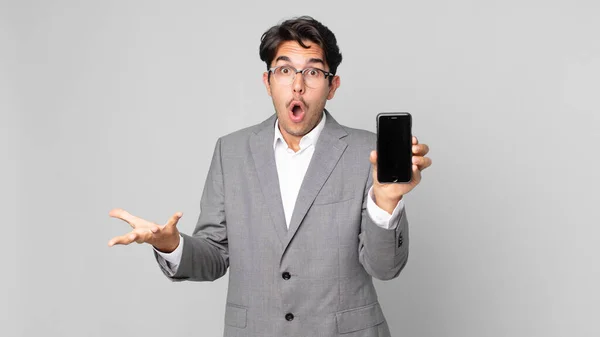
299	117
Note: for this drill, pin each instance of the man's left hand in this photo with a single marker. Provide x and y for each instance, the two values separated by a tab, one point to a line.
387	195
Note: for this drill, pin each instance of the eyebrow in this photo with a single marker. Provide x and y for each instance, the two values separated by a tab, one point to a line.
311	60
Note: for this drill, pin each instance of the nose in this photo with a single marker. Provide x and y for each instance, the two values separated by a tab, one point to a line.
298	84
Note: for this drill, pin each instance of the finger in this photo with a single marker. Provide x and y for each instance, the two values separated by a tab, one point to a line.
415	141
421	162
416	175
174	220
142	235
420	149
122	240
123	215
155	229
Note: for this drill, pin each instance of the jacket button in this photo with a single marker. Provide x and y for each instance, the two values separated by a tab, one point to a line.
286	275
289	317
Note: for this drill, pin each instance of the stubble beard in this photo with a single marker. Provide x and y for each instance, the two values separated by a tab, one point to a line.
305	127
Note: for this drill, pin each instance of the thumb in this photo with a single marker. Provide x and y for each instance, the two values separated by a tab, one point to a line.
373	158
174	220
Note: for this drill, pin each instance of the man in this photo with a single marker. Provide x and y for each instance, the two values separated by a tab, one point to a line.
292	206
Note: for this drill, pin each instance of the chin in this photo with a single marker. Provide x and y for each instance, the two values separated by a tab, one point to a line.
296	132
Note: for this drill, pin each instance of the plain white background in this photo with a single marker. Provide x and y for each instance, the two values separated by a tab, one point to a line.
119	103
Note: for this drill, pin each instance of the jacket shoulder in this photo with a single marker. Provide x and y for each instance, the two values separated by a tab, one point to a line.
242	135
358	137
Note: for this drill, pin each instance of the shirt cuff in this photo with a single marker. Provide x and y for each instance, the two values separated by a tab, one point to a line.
170	261
380	217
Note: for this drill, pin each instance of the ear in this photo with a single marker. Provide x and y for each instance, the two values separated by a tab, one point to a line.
266	82
335	83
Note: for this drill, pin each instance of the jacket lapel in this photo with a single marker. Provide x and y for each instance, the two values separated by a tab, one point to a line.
261	147
328	150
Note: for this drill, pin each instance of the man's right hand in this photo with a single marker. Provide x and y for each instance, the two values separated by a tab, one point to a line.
164	238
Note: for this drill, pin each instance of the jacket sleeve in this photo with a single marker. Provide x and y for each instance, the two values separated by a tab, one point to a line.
205	255
382	252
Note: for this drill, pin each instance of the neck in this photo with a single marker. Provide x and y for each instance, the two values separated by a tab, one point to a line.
293	142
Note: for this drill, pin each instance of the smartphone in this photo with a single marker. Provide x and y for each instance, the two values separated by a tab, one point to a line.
394	147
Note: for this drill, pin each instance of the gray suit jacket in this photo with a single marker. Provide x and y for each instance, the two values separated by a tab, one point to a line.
314	279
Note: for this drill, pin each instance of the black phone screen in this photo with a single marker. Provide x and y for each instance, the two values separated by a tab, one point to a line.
394	147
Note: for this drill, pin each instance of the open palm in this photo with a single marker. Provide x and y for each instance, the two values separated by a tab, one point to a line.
165	238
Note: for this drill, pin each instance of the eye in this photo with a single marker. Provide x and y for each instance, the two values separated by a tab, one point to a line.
285	70
312	72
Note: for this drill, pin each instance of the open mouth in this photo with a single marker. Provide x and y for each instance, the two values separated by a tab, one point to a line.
297	111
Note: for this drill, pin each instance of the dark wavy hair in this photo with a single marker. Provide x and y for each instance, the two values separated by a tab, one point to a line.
301	29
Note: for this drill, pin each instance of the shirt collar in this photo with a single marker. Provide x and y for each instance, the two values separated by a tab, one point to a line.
308	139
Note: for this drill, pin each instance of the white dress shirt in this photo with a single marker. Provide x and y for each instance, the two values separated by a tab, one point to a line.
291	168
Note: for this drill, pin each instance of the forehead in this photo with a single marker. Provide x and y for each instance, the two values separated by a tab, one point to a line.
298	54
